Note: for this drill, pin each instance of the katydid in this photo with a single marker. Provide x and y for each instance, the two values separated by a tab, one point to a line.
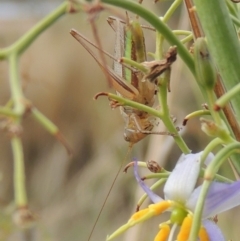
132	84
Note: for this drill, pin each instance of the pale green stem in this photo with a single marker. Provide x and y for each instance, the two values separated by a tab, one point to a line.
171	10
44	121
194	114
166	119
211	100
25	41
134	64
4	111
224	99
187	39
182	32
15	84
210	147
159	46
162	98
235	20
157	175
19	173
210	172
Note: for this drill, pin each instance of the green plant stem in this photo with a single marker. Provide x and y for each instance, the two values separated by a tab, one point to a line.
223	43
25	41
210	172
235	20
211	99
157	175
19	173
158	25
224	99
134	64
182	32
210	147
171	10
219	159
44	121
15	84
4	111
197	113
166	119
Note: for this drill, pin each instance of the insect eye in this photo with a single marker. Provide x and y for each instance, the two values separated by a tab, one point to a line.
126	137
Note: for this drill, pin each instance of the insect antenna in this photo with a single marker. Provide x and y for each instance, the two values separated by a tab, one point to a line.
110	189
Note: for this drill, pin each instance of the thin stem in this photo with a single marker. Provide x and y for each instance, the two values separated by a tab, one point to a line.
15	84
4	111
224	99
19	173
211	99
171	10
210	172
166	119
26	40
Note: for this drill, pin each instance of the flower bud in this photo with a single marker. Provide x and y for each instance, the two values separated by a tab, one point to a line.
205	71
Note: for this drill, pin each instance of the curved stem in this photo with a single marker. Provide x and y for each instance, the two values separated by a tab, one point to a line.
166	119
224	99
171	10
209	175
26	40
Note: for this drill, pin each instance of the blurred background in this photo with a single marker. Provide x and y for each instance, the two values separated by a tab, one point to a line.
60	78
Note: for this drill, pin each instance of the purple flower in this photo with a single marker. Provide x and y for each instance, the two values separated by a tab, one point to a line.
180	198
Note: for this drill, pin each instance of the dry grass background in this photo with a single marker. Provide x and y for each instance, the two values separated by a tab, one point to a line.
60	79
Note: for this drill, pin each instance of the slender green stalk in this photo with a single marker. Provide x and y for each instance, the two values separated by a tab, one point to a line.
25	41
134	64
166	119
4	111
211	99
19	173
210	172
210	147
15	84
45	122
223	100
171	10
235	20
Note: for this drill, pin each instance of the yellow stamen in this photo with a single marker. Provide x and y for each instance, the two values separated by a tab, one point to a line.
185	229
203	236
138	215
152	210
163	233
159	208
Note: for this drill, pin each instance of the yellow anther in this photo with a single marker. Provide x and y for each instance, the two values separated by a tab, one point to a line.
185	229
163	233
140	214
203	236
159	208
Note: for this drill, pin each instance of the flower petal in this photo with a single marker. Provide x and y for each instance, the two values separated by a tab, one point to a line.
221	197
213	231
154	197
182	180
